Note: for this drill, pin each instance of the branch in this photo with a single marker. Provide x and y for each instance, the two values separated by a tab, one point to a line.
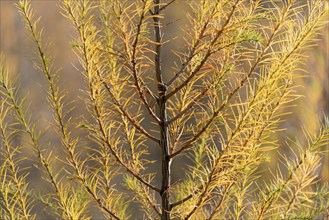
201	197
192	52
247	141
54	100
200	187
154	207
205	58
189	106
188	144
101	126
134	68
18	182
196	99
128	116
220	202
166	5
182	201
107	141
234	91
136	175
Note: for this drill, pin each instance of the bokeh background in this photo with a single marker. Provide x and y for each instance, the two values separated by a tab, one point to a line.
17	46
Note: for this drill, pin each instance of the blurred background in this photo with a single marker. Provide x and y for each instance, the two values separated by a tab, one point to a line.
18	48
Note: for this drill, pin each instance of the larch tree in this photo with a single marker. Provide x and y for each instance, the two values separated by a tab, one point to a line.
213	114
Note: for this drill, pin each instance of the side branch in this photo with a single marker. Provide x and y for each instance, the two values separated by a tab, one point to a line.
207	55
166	5
190	142
203	194
134	67
195	100
182	201
193	53
128	116
276	29
258	117
87	61
189	106
55	101
106	140
21	117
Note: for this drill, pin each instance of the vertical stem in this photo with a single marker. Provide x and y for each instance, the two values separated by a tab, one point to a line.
166	160
163	125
